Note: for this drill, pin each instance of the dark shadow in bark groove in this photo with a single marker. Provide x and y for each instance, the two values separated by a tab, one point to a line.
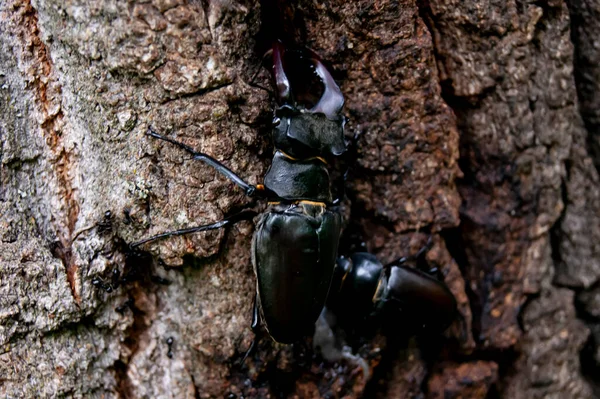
585	27
135	278
278	22
561	278
590	368
385	368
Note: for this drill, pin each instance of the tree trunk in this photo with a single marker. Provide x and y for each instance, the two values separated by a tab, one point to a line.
470	129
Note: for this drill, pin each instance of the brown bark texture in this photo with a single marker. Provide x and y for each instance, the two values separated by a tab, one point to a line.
477	124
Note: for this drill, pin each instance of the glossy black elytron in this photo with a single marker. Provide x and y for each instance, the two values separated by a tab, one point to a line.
294	248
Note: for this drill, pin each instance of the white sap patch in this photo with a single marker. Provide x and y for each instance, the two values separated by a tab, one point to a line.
210	65
181	218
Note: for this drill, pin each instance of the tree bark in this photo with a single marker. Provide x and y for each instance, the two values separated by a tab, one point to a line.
477	124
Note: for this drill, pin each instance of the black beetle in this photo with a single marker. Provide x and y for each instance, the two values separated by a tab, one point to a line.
363	287
366	295
294	248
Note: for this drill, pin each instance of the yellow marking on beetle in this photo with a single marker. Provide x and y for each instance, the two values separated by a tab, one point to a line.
345	276
315	203
274	203
378	291
288	156
321	159
260	187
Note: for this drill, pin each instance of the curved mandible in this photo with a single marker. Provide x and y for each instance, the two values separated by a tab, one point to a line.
332	100
281	80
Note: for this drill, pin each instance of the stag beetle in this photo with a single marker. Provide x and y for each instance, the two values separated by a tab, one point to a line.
294	248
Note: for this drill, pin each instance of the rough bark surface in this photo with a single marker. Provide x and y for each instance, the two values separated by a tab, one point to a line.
477	124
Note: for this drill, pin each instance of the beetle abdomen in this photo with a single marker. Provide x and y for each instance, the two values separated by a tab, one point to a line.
294	253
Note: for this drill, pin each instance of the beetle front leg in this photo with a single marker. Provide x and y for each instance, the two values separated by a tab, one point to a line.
255	329
245	215
404	259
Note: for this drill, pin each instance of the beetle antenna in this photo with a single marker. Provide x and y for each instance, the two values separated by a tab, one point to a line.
250	190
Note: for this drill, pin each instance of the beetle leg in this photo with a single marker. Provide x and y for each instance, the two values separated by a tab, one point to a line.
245	215
404	259
250	190
255	329
255	315
341	189
252	83
436	272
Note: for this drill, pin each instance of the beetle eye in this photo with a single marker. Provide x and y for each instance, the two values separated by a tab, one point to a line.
276	121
